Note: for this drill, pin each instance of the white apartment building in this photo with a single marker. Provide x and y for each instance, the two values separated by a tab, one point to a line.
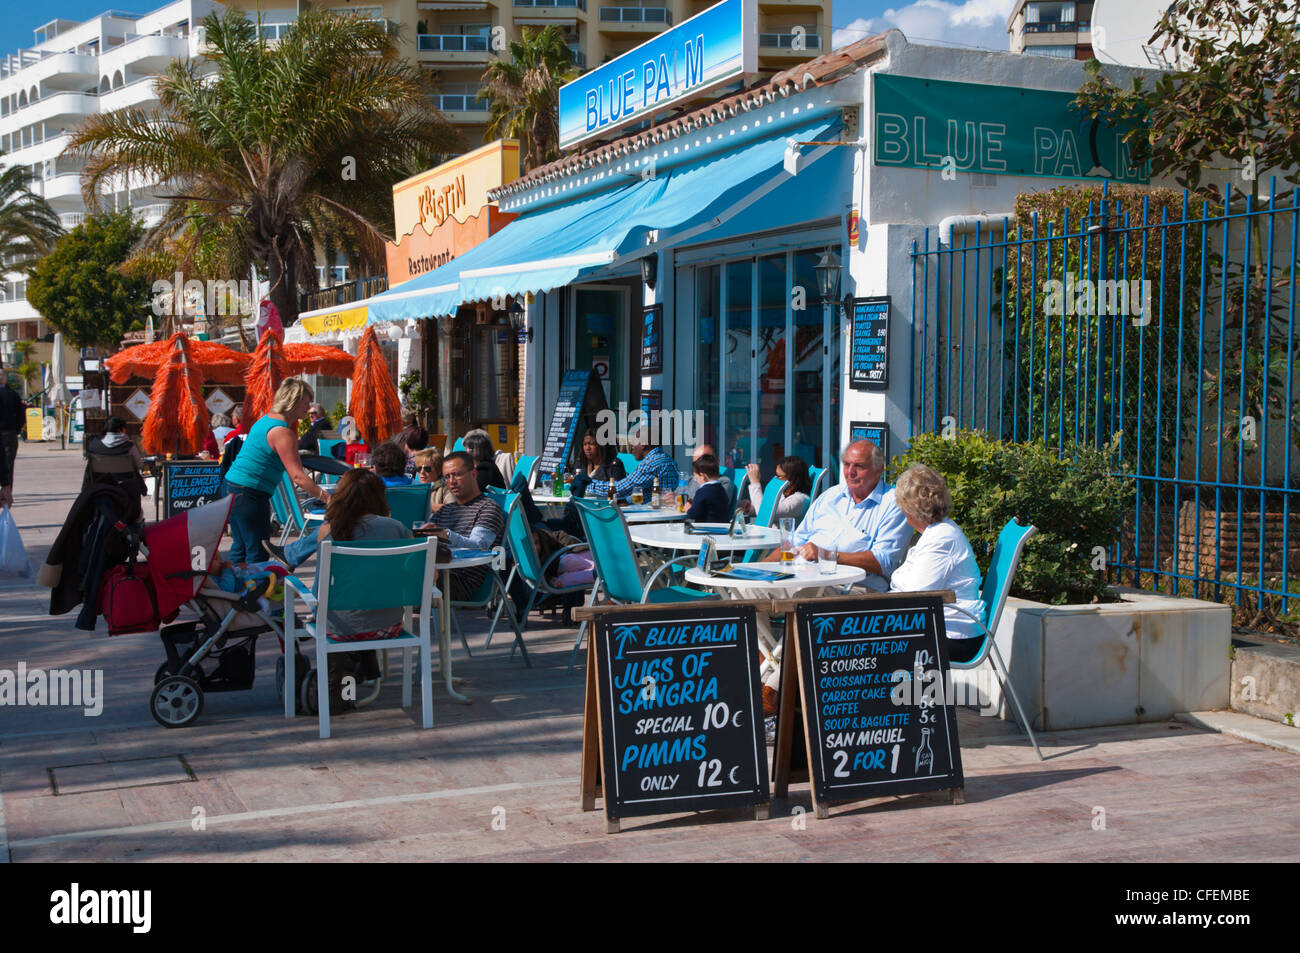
73	71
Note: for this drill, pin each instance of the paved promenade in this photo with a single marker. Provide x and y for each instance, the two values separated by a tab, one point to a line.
246	784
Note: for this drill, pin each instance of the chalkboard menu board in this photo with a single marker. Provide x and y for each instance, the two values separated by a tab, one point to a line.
190	484
581	398
679	710
652	340
877	718
869	359
877	433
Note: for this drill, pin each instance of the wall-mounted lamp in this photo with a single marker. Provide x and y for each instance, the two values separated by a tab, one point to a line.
516	315
650	270
828	275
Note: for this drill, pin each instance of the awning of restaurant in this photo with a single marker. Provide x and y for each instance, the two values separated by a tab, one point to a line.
557	245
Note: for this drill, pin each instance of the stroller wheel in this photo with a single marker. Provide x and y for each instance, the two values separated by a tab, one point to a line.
177	701
163	671
308	703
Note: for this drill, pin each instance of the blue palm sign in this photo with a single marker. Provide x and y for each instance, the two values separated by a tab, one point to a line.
823	625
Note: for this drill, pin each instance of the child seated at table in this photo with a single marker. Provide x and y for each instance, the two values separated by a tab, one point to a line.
711	503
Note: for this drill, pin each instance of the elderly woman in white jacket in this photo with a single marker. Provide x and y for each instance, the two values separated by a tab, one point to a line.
941	559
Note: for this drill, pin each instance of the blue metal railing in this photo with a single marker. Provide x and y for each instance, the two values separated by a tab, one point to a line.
1164	332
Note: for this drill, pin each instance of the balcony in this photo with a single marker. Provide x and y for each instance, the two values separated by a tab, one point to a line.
356	290
790	44
275	32
640	20
146	53
1063	26
151	215
453	47
460	103
38	149
53	105
135	93
65	188
791	5
38	65
70	220
543	4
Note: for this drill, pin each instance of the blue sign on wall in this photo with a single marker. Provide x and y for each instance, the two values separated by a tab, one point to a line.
708	50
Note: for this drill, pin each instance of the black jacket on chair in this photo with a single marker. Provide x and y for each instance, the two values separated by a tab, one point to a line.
88	544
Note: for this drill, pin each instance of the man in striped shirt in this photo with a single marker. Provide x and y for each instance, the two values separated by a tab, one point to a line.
472	521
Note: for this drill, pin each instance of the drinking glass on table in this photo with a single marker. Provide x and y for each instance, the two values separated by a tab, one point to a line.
828	558
787	540
638	496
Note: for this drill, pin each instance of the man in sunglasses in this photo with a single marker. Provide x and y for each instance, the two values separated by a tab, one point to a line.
317	421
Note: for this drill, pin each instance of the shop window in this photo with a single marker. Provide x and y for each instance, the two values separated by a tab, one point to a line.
708	296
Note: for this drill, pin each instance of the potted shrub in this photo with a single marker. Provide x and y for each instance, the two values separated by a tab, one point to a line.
1080	652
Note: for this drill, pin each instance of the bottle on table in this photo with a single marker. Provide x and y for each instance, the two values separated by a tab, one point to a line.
681	496
557	484
613	497
655	501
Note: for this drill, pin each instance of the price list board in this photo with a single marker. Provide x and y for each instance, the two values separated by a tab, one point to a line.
878	716
869	357
581	399
652	340
677	702
190	484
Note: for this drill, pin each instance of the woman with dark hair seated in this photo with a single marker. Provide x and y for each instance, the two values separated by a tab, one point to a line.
114	458
794	499
485	469
358	510
597	463
389	461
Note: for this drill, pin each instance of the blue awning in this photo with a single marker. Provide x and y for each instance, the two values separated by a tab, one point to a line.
555	246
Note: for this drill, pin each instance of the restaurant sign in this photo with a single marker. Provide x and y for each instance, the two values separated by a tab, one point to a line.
999	130
454	191
335	321
708	50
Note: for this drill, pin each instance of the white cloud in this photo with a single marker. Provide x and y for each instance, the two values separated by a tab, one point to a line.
979	23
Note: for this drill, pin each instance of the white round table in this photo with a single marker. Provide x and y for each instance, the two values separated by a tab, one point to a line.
664	536
636	513
805	575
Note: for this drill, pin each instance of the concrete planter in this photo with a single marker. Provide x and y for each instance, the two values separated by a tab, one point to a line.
1141	659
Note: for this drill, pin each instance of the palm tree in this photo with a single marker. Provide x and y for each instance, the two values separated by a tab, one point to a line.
284	147
28	226
523	93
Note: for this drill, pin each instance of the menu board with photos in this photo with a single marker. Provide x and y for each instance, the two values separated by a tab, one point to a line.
675	705
878	719
869	355
581	398
877	433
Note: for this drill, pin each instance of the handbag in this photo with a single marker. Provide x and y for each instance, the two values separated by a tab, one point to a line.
13	557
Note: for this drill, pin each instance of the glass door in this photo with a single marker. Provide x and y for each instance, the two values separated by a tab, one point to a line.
602	339
770	364
738	364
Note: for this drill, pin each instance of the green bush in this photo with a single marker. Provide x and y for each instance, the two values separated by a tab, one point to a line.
1075	503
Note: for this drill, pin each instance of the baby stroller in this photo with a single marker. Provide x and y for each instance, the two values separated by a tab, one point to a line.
215	652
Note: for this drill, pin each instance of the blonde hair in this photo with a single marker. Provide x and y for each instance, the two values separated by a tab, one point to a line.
923	495
431	457
291	391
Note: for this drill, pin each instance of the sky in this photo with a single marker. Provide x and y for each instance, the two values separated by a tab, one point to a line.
978	23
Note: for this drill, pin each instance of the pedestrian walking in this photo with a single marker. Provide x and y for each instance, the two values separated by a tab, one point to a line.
12	415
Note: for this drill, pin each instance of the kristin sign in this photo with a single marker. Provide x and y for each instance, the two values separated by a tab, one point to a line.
699	54
1000	130
456	190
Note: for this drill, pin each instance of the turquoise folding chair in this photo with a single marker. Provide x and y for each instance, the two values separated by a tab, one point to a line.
295	517
368	574
618	574
820	477
458	445
489	589
326	449
997	584
497	494
528	465
740	480
763	518
407	504
528	565
629	464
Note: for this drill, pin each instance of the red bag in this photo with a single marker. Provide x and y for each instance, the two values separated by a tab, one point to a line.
127	600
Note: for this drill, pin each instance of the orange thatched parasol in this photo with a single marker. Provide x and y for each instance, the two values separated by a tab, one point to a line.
177	421
215	361
274	360
375	405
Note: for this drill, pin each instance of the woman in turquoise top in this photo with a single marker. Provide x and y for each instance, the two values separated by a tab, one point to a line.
268	452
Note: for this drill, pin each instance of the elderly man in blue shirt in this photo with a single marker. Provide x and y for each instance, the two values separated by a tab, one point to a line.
859	517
